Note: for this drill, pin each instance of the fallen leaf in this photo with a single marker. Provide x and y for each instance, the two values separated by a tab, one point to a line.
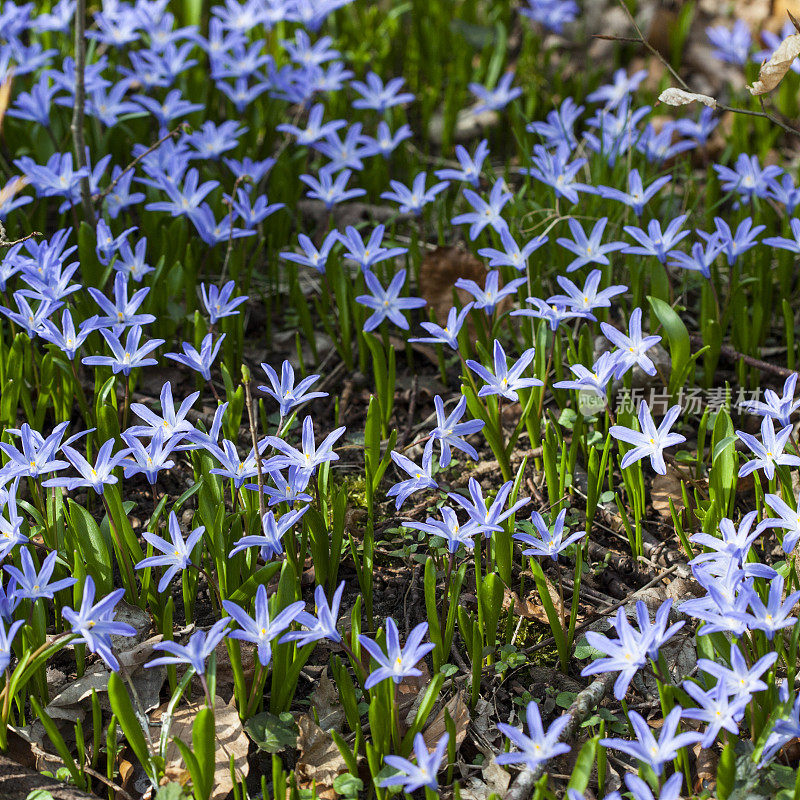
438	272
325	699
706	760
493	780
779	63
320	760
459	711
678	97
410	693
663	488
230	740
5	97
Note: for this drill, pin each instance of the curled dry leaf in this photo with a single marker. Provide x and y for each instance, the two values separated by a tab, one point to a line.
325	699
320	760
230	739
458	710
678	97
779	63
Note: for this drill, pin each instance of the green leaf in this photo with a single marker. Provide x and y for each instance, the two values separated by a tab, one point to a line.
171	791
128	721
679	343
347	785
582	770
272	732
204	749
726	772
93	546
39	794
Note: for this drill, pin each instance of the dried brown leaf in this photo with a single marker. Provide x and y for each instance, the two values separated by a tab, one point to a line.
679	97
459	711
775	68
325	699
320	760
230	740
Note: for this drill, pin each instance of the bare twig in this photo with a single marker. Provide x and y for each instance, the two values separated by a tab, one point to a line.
78	108
6	242
184	126
734	355
643	40
584	705
604	612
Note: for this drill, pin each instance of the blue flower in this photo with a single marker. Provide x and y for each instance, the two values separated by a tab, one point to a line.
559	125
769	451
470	166
376	96
315	129
648	750
397	662
413	200
273	530
555	169
449	333
200	361
124	359
449	529
331	190
413	776
323	626
511	255
731	44
371	253
540	745
486	519
649	441
283	390
387	303
504	381
121	313
94	623
637	196
148	460
633	347
311	257
195	653
420	478
588	249
6	638
34	585
586	298
311	456
595	379
497	98
612	94
171	423
655	242
261	629
176	554
450	432
547	544
716	708
747	178
488	297
485	213
96	476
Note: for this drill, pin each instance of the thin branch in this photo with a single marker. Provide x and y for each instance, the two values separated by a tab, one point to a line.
78	109
110	188
584	705
6	242
682	83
